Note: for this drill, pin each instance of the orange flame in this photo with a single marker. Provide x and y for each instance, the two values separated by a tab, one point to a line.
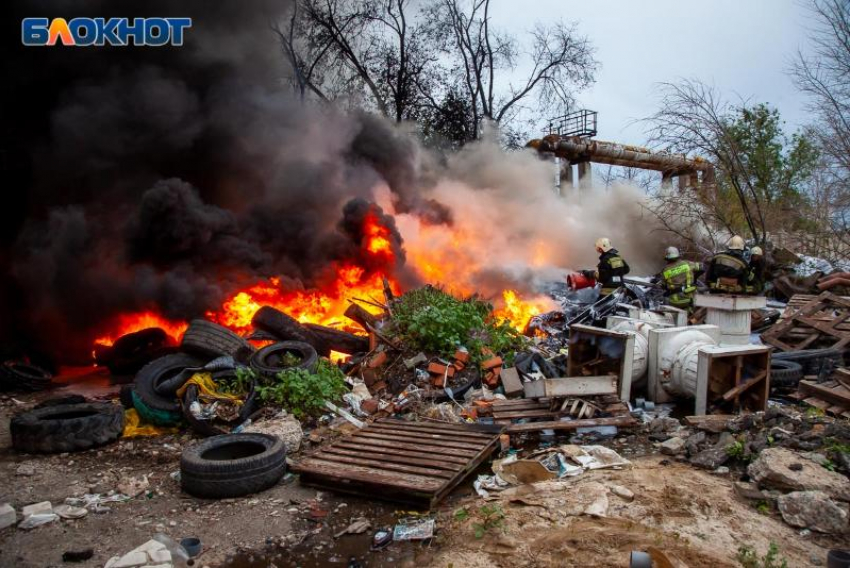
130	323
516	311
376	237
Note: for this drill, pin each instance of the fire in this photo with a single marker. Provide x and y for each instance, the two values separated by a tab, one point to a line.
517	311
376	237
324	305
129	323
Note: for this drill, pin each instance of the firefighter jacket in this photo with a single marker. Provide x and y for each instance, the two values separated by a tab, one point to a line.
610	271
679	279
728	273
757	274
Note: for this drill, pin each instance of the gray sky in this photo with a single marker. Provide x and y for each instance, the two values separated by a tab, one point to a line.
742	47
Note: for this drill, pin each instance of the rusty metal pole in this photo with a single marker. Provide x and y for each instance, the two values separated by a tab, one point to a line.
585	176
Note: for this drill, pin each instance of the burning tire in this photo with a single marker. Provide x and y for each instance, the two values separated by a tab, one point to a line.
283	326
212	340
269	360
132	351
67	428
156	406
785	374
22	376
232	465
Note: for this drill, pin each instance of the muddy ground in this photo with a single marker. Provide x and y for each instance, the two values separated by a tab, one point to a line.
691	515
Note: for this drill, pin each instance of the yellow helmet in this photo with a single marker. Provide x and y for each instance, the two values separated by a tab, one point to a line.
736	243
603	244
756	251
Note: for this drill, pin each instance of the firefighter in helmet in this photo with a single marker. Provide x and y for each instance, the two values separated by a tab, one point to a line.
679	279
611	268
728	271
758	270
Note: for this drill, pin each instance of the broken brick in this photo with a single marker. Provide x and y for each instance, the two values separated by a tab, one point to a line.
491	363
438	381
369	406
462	356
379	386
511	382
442	370
370	377
378	359
491	379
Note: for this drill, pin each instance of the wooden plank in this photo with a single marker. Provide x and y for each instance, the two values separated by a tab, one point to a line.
540	413
623	421
475	428
422	448
380	456
393	451
838	395
384	465
485	452
572	386
734	392
444	444
347	473
456	434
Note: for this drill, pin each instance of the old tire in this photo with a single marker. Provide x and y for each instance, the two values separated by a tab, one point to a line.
211	340
232	465
785	374
157	372
67	428
268	361
812	359
15	375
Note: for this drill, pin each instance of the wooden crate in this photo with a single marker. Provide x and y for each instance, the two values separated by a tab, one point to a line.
416	463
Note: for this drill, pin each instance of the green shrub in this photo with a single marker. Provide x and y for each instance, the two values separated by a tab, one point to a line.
430	319
301	392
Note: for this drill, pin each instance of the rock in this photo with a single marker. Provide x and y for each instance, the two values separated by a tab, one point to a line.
722	470
286	427
710	459
725	440
749	490
25	470
789	471
42	508
813	510
673	446
599	506
693	442
133	486
819	459
622	492
69	512
665	424
7	516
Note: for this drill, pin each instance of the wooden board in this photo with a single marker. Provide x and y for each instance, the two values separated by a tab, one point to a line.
417	463
620	421
572	386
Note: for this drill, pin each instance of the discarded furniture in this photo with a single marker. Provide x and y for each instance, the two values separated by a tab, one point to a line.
596	352
736	376
417	463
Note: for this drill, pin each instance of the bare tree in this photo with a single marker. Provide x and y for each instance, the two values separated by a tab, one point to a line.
371	52
562	62
825	77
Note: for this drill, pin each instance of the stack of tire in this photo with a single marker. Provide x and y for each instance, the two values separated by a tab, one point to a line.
154	392
788	367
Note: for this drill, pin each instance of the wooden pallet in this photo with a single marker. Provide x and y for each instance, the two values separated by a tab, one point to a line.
822	322
416	463
797	302
833	397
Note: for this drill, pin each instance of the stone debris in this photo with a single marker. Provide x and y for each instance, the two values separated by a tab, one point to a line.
782	469
284	426
813	510
150	554
673	447
7	516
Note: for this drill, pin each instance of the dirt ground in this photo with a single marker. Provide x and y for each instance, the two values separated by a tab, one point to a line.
692	516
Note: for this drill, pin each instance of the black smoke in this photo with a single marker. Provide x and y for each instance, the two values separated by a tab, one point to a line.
165	178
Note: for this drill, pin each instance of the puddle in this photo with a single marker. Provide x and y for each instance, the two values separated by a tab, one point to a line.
322	549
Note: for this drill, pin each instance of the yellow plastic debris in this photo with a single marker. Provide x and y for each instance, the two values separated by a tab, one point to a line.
133	426
207	389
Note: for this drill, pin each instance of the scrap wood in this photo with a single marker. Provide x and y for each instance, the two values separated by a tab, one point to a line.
572	386
824	317
833	392
621	421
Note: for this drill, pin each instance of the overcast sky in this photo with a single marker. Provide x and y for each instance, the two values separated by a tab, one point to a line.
743	47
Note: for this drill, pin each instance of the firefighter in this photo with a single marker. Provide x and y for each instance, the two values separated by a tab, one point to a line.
758	270
728	272
611	268
679	279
